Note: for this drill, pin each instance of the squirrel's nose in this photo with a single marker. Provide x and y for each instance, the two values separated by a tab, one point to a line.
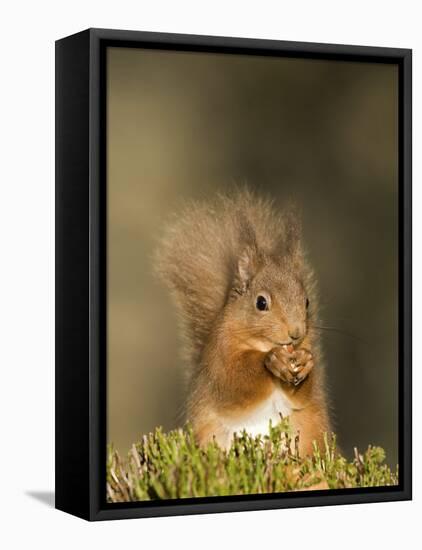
295	332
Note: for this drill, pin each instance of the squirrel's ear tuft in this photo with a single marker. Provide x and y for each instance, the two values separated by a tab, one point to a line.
292	232
245	269
246	262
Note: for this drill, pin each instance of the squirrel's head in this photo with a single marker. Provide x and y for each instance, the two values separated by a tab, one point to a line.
269	300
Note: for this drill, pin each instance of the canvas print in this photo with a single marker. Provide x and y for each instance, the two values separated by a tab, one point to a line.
252	274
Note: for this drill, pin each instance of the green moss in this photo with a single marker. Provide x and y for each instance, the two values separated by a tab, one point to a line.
172	465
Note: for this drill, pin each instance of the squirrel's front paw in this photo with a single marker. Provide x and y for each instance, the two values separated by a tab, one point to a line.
291	366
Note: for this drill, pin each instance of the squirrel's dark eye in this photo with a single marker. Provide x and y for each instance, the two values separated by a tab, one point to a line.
307	303
261	303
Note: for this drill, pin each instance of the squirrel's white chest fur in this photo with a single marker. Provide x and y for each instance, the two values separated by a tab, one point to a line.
256	422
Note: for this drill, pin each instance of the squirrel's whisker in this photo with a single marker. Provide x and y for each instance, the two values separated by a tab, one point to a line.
339	331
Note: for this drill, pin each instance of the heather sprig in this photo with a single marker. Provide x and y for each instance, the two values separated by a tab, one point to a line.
172	465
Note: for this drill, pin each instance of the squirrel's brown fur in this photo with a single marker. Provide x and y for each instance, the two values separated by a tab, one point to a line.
219	259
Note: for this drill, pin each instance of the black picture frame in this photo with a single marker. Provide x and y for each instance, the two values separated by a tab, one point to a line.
81	274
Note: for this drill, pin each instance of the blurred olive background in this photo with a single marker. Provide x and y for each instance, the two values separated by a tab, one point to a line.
185	125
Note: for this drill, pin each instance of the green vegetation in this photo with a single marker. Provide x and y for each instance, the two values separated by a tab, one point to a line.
172	465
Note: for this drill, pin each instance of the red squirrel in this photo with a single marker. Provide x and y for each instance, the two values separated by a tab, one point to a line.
247	301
